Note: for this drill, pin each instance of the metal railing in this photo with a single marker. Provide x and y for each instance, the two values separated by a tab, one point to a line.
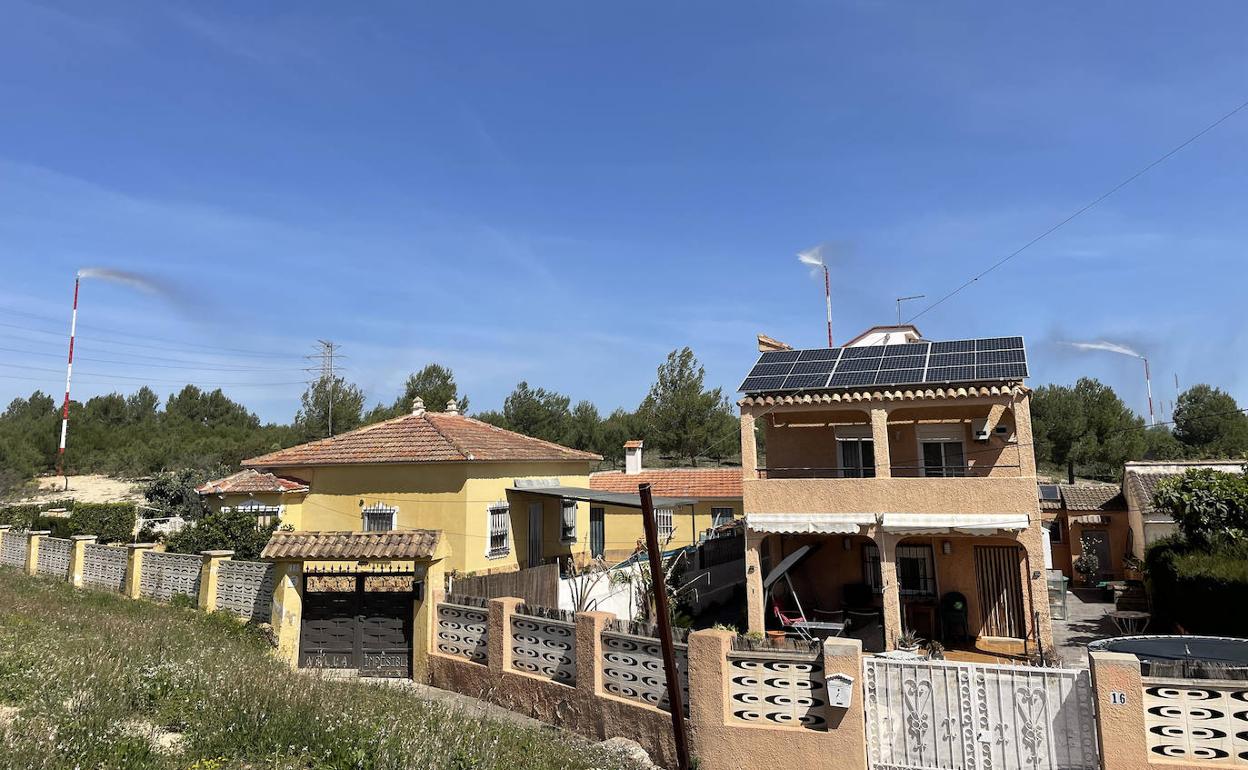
896	471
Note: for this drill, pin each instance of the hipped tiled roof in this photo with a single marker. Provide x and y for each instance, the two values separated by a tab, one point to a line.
1143	485
299	546
251	481
1092	497
673	482
428	437
894	394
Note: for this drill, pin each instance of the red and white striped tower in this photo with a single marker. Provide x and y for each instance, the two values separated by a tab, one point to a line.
827	297
1148	381
69	371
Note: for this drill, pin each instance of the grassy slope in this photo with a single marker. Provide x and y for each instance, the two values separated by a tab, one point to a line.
81	665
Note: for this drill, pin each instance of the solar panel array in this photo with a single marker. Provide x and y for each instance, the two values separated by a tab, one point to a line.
911	363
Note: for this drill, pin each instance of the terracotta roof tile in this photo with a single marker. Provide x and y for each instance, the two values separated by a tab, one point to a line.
429	437
673	482
250	481
1093	497
408	544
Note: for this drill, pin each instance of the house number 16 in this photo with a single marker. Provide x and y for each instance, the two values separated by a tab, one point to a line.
1117	697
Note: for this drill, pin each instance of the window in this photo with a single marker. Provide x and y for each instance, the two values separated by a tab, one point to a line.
663	517
720	516
1057	532
266	515
943	458
857	457
379	518
500	531
567	529
916	570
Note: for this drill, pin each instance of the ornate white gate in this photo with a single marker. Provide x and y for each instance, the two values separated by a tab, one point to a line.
960	716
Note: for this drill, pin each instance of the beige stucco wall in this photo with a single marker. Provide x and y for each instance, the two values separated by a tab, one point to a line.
891	495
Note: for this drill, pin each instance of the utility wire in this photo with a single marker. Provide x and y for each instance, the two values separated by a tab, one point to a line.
1083	209
158	366
110	377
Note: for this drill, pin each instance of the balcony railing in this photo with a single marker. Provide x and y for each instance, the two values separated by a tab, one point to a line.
896	471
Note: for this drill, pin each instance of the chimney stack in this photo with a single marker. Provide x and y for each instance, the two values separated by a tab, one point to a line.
452	407
418	406
632	457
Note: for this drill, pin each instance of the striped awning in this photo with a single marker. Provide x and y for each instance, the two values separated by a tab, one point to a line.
809	523
953	523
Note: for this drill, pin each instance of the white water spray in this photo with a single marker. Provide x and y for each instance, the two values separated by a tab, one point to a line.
1123	350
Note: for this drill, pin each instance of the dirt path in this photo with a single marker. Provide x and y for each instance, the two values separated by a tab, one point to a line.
86	489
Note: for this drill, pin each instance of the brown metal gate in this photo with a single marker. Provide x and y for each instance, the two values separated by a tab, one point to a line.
357	621
998	577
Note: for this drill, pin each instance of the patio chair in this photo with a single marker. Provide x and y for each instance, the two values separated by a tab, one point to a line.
953	623
807	629
858	601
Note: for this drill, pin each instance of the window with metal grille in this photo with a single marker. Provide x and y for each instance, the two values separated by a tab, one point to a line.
500	530
266	515
567	529
916	570
379	518
663	517
1057	533
720	516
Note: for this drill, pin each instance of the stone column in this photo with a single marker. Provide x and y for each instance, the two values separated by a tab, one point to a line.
208	578
1120	727
754	600
589	626
749	445
1023	437
32	549
1033	540
287	610
134	567
78	557
879	438
498	642
887	544
844	656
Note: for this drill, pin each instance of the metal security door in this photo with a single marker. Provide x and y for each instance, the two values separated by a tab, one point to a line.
998	577
928	715
535	534
384	631
327	634
597	532
360	622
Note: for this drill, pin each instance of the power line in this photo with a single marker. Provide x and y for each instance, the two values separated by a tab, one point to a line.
326	357
159	366
1078	212
111	377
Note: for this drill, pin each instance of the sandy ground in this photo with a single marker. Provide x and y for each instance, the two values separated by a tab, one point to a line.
86	489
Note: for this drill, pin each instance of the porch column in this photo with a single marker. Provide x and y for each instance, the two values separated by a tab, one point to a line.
879	438
287	613
749	445
1033	540
1023	437
755	609
887	544
78	557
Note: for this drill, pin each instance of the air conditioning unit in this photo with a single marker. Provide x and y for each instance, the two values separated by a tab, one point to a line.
979	429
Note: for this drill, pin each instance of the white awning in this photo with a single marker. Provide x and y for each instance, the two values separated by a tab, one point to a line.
1090	519
809	523
953	523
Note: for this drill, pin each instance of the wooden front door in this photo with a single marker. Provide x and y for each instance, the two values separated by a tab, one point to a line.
998	578
356	621
1096	541
535	534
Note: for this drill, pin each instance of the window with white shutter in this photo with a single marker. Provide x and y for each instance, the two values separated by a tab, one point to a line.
567	531
500	530
663	516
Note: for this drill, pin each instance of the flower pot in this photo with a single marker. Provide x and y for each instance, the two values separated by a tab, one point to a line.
775	637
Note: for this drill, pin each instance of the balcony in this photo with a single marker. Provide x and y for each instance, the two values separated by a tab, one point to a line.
830	493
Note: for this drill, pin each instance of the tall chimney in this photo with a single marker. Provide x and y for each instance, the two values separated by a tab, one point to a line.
632	457
418	406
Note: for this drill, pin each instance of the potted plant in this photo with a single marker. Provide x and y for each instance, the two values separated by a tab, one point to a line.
1087	565
935	650
908	641
1133	567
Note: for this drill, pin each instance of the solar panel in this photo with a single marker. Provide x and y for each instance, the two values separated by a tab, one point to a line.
1050	492
988	359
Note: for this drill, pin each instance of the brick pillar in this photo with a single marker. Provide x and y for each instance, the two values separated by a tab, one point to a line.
134	567
756	609
287	613
709	703
589	627
887	544
879	438
1120	727
208	578
749	445
499	641
78	557
32	549
844	656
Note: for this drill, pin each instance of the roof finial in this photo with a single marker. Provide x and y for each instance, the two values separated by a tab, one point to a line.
452	407
418	406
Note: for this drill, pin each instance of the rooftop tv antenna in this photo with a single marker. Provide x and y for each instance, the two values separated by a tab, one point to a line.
906	299
814	257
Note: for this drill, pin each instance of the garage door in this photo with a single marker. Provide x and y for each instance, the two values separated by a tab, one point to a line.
361	622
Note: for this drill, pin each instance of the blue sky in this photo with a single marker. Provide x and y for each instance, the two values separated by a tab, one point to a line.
563	192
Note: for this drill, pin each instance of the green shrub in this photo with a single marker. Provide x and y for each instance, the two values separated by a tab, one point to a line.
111	522
20	516
233	530
1199	588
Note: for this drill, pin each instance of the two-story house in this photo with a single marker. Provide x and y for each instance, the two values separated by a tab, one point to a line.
899	476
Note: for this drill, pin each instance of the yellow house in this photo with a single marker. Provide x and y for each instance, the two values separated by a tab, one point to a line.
714	495
489	492
898	485
268	496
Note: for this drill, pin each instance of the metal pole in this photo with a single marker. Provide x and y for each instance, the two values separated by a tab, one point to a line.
659	585
1148	380
69	370
827	297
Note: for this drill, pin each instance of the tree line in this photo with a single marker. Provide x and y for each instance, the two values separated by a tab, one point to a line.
137	435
